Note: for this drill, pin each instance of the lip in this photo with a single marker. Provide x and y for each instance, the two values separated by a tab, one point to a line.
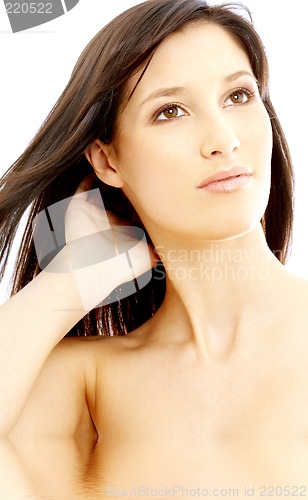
227	180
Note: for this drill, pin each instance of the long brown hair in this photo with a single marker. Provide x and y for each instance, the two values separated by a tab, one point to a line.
54	163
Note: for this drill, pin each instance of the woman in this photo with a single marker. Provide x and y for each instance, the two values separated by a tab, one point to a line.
168	113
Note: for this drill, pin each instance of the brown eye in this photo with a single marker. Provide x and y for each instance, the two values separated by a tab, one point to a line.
169	112
238	97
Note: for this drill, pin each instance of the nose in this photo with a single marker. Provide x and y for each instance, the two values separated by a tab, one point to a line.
220	137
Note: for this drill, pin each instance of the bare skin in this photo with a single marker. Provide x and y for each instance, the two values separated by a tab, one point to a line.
223	361
156	406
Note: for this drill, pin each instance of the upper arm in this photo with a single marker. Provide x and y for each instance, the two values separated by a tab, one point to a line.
58	402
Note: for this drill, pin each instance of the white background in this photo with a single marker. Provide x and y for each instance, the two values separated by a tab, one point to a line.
36	65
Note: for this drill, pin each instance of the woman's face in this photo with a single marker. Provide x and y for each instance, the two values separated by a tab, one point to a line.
195	112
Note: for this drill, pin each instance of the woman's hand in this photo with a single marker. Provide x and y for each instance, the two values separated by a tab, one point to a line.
102	248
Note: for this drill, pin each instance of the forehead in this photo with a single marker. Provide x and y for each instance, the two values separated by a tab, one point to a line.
200	50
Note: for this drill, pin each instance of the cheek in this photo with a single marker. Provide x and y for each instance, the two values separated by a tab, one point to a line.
259	137
256	146
142	171
148	163
259	146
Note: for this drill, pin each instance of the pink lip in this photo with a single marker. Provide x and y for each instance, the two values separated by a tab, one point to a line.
227	180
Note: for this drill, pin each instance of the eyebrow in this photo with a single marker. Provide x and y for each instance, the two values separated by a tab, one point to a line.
168	91
237	74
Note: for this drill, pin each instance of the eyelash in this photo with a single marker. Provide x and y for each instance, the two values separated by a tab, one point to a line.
250	95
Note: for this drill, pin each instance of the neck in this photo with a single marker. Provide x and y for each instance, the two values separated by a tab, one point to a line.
216	291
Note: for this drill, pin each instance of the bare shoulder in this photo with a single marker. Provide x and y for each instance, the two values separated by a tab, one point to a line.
293	295
89	352
110	353
296	286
